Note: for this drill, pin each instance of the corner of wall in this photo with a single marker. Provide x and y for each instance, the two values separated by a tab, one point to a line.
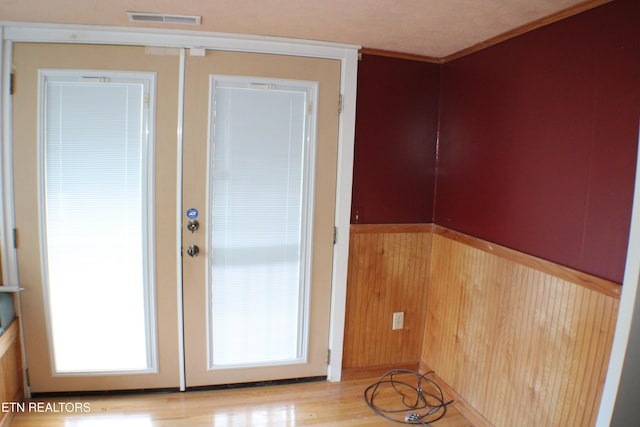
436	162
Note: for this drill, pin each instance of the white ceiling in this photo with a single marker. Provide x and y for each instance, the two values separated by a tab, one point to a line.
435	28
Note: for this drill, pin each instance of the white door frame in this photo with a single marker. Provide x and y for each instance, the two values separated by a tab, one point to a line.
629	300
11	32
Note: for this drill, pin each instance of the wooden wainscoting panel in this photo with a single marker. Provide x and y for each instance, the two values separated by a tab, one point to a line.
10	369
467	411
599	284
522	346
388	272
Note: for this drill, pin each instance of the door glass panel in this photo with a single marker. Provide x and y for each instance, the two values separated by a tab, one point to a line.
97	220
259	199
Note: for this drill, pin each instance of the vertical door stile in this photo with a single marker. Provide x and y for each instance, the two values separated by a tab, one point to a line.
179	230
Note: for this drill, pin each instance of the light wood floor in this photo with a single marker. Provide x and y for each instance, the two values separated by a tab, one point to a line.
305	404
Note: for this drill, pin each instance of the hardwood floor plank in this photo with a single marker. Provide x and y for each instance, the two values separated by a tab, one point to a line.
302	404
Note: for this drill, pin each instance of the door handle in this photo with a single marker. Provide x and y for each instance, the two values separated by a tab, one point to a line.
193	251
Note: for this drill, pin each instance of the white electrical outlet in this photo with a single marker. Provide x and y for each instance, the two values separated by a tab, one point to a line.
398	320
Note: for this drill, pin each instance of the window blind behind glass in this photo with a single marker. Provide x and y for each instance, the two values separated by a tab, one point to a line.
259	150
95	150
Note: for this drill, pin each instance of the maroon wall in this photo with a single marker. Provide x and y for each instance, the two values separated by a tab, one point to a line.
396	124
538	140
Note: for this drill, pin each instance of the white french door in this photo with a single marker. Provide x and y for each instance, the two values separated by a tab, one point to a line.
96	210
95	176
260	149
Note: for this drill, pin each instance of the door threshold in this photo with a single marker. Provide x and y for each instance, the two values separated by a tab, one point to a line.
258	383
104	392
176	389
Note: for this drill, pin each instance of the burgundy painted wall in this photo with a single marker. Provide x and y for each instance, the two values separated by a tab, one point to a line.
396	125
538	140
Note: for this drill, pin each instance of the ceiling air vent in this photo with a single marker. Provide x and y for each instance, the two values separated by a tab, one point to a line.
163	18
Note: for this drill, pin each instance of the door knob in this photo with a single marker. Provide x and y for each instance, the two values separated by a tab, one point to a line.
193	251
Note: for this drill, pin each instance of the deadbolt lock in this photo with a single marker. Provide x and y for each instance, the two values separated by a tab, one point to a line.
193	225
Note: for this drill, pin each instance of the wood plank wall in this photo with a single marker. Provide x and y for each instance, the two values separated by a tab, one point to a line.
388	272
10	369
524	341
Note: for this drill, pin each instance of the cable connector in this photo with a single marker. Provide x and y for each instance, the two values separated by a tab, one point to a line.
412	416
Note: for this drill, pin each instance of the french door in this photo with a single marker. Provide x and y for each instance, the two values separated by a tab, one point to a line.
260	169
94	166
99	229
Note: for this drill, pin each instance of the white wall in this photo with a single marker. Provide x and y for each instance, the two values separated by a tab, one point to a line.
620	403
627	405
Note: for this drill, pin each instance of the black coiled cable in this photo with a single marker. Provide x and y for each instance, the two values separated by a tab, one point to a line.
421	398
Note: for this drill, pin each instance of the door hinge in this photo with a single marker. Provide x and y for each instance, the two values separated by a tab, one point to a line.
340	104
26	377
15	238
328	356
12	79
335	235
